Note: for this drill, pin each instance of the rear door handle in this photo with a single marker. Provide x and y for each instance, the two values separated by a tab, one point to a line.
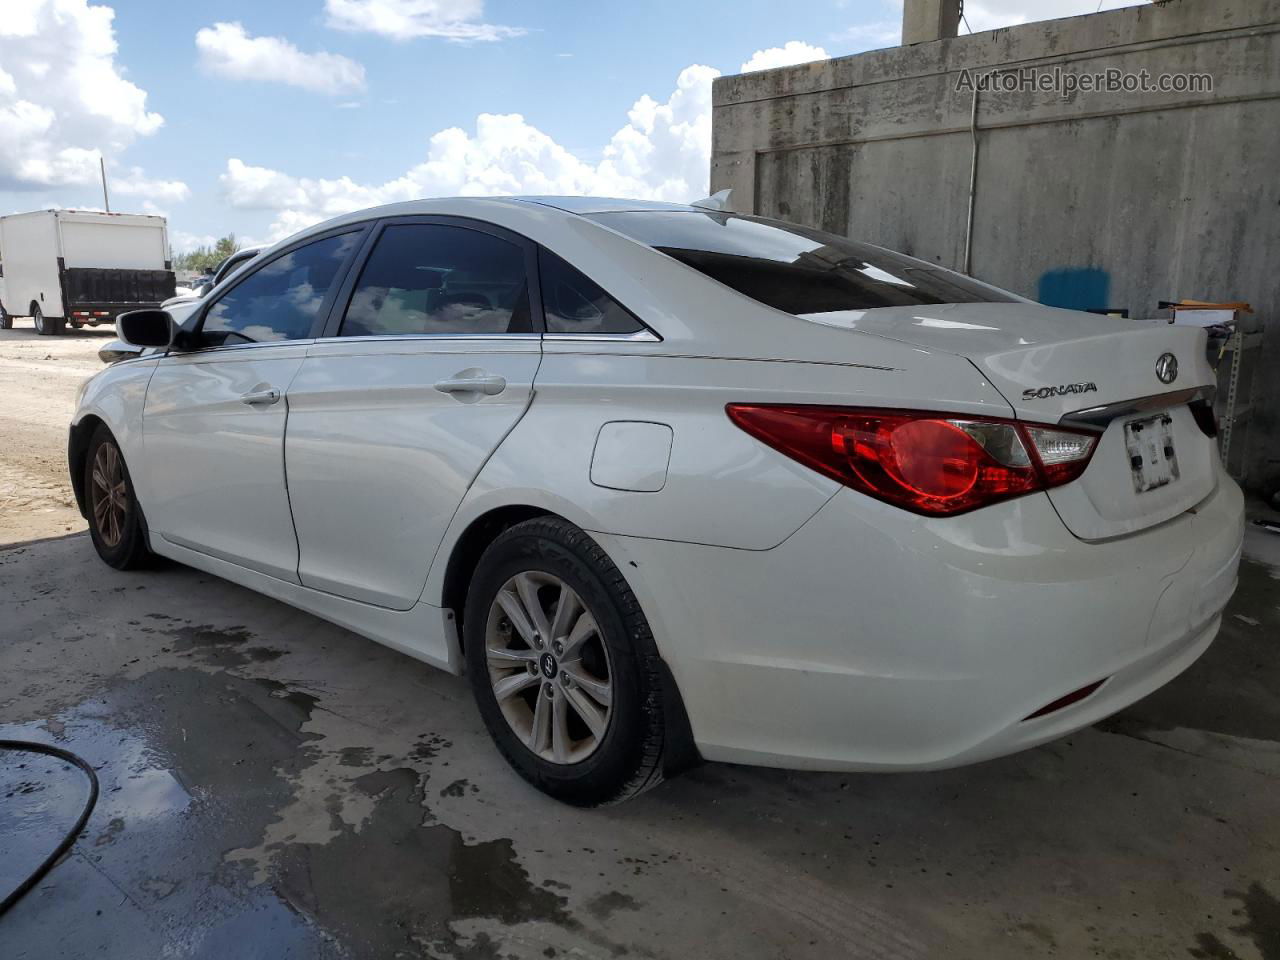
468	382
261	397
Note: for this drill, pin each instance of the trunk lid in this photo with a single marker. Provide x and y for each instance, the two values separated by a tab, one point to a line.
1053	366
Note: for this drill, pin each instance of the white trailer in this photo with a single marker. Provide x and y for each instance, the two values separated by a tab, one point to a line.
81	267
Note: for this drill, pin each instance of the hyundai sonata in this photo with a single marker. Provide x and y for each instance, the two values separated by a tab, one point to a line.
670	482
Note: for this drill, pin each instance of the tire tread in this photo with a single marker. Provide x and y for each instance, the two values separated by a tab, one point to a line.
648	771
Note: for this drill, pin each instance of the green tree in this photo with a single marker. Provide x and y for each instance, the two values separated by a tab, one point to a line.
204	259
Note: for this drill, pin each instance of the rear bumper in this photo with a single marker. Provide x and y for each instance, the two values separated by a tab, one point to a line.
95	314
873	640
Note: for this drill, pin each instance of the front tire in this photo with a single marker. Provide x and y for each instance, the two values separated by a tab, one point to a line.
6	321
563	665
116	525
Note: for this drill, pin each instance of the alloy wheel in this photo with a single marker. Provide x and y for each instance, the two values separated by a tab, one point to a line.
549	667
109	495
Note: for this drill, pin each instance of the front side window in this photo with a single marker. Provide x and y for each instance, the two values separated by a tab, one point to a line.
233	262
430	278
574	303
281	300
801	271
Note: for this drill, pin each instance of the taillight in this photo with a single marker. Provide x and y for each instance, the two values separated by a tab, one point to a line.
929	463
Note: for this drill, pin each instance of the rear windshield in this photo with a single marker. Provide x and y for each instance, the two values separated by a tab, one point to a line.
805	272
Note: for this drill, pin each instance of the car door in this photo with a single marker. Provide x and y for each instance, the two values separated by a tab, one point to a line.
426	367
214	416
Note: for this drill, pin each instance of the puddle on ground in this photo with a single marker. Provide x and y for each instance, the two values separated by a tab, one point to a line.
398	883
189	766
220	646
196	767
40	799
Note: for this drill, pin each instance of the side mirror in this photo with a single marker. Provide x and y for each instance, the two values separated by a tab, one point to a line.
146	328
118	350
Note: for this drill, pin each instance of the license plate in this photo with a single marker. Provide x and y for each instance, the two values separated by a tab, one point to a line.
1152	458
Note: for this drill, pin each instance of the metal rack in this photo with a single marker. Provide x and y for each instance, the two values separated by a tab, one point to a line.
1234	409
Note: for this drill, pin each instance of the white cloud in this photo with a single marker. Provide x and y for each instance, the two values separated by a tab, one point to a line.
869	36
227	49
456	20
662	152
789	54
183	242
994	14
135	183
63	98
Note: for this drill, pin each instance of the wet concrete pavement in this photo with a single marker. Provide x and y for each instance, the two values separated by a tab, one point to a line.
273	786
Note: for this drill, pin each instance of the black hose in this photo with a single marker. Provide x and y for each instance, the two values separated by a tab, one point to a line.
30	746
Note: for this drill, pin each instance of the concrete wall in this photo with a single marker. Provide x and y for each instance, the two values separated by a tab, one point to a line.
1088	200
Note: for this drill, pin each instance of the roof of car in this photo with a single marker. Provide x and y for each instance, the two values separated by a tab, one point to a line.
524	208
589	205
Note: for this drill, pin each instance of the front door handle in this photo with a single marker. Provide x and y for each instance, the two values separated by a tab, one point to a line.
261	397
472	381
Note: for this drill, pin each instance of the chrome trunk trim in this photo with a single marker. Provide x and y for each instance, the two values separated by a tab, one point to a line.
1097	418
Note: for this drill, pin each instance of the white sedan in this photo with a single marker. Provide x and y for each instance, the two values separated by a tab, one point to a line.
671	482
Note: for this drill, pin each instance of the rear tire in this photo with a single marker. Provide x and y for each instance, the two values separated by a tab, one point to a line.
603	723
116	524
46	326
6	321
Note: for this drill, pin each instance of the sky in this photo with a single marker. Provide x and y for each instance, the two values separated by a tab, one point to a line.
260	118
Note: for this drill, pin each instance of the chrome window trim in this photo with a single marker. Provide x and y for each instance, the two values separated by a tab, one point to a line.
637	336
229	347
1097	418
430	336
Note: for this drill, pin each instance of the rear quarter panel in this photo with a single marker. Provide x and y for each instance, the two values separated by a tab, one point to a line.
722	487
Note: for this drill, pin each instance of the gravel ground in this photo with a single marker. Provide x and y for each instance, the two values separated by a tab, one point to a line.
38	381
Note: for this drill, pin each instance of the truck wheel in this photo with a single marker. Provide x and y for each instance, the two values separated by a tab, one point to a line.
46	326
6	321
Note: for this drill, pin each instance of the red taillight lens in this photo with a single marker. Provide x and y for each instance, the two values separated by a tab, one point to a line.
926	462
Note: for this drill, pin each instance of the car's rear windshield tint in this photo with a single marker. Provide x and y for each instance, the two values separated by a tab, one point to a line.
804	272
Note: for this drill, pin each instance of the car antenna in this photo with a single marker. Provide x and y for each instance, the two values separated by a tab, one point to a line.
717	201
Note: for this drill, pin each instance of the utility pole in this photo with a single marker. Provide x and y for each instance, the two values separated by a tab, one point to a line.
102	166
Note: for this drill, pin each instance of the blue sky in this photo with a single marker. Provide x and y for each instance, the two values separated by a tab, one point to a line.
292	111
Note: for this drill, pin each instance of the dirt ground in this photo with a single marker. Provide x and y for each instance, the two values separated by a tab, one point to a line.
38	381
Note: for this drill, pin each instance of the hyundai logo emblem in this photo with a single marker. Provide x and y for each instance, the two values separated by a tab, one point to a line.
1167	368
548	664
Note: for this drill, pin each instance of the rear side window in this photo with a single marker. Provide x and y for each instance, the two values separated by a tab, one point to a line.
281	300
805	272
574	303
428	278
233	262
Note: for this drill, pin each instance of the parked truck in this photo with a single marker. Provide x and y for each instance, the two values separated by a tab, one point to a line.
81	267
